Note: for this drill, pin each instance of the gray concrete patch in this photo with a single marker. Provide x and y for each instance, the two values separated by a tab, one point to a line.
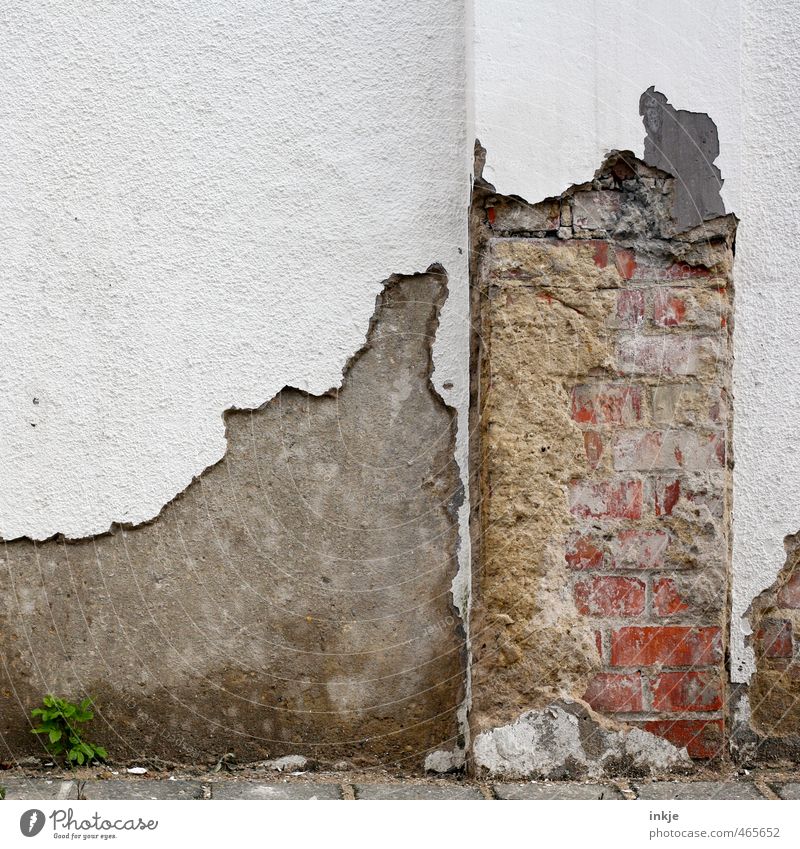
699	790
287	790
307	575
787	791
417	791
530	790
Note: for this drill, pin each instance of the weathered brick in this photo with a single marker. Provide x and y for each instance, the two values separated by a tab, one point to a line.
510	215
695	491
693	404
645	270
704	308
609	595
674	692
671	449
606	499
703	738
584	551
774	638
789	593
667	492
596	210
667	601
630	309
669	356
607	404
625	261
632	549
669	645
613	693
593	445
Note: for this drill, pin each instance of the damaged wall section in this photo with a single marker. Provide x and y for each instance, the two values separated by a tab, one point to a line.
294	599
603	371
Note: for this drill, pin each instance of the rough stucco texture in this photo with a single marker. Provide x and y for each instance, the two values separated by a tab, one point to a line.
766	377
199	206
294	599
604	459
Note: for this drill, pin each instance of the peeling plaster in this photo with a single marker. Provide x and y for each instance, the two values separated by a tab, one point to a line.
567	740
194	218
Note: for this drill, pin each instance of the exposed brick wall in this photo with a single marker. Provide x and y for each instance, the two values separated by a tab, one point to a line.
647	427
775	688
647	496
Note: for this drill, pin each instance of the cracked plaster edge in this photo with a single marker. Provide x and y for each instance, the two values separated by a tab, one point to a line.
460	587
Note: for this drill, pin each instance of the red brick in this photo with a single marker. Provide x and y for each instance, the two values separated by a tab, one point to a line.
687	691
667	601
670	645
638	549
683	271
677	448
606	499
625	261
789	593
609	595
703	738
667	493
584	551
600	253
669	309
593	445
668	356
673	271
774	638
606	404
612	693
630	308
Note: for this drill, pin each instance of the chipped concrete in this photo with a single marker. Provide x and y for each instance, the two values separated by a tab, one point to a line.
293	600
568	740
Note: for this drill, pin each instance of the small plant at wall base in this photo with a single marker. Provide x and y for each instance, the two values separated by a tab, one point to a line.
60	723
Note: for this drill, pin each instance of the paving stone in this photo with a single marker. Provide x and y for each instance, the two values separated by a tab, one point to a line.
787	791
417	791
141	789
699	790
557	791
287	790
39	788
35	788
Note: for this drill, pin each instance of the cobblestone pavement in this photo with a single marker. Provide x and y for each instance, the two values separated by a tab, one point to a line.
319	786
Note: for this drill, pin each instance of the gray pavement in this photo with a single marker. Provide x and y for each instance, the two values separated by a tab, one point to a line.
334	788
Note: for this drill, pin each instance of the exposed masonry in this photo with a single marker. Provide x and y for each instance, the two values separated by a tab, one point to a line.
294	598
772	701
604	461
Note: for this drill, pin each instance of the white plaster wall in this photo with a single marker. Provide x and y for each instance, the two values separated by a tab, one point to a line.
767	336
557	86
199	204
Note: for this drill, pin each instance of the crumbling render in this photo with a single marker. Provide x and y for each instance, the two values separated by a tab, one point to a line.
296	598
774	693
603	467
